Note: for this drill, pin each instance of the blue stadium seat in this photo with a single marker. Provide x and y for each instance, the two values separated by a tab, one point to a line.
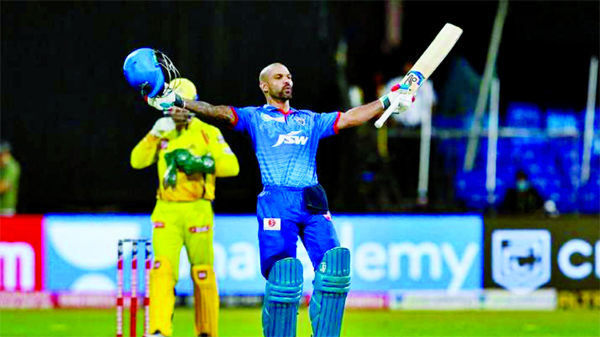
566	200
562	121
470	189
581	119
523	115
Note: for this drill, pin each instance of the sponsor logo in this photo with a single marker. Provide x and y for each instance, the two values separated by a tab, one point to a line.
18	266
323	267
202	275
582	251
268	118
412	78
156	264
159	225
300	120
291	138
272	224
199	229
521	259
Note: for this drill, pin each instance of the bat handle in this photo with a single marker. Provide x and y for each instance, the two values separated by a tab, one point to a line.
388	112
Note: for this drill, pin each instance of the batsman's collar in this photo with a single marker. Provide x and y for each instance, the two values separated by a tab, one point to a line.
271	108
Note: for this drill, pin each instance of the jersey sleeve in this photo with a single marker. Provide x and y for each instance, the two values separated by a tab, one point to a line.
243	119
144	153
326	123
226	162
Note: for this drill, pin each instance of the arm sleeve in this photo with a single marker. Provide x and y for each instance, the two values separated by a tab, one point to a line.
226	162
144	153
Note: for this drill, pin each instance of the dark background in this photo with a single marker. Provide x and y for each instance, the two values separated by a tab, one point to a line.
72	118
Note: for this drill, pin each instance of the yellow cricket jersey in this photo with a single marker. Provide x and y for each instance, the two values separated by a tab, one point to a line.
199	139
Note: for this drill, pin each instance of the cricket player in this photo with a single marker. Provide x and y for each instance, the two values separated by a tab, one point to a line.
189	155
10	175
292	204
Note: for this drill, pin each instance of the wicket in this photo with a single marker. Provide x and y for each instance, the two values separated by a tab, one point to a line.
134	279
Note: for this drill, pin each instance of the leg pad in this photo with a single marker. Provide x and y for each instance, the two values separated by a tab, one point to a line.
282	298
330	288
206	300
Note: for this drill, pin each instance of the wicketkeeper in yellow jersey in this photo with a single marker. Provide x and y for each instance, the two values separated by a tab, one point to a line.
190	155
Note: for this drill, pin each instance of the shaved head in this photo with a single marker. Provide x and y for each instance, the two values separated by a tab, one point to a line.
264	74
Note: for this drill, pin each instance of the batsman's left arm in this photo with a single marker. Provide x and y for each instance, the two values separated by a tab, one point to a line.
359	115
364	113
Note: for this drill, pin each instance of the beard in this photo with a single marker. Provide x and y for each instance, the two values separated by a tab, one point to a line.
282	94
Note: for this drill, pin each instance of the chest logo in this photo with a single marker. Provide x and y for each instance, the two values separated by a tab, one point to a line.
291	138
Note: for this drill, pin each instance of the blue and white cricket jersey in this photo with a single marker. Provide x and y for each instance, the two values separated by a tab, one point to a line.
286	148
286	143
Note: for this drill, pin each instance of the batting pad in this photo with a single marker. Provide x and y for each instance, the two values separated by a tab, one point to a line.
206	300
330	288
162	297
282	298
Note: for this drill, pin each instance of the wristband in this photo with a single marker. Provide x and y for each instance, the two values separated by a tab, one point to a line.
386	100
179	102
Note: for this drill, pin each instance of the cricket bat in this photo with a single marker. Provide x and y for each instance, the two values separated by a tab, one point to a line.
425	65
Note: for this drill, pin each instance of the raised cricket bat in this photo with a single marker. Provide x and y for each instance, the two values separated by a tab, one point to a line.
425	65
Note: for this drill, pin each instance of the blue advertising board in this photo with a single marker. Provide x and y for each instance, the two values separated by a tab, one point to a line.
392	252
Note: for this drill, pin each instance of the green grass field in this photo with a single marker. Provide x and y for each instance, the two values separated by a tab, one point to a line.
246	322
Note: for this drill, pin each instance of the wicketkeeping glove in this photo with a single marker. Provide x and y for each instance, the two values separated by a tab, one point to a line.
170	177
191	164
406	98
167	100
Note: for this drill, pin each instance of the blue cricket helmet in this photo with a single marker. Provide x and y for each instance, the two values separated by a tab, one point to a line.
145	69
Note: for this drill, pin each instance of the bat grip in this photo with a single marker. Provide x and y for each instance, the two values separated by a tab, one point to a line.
388	112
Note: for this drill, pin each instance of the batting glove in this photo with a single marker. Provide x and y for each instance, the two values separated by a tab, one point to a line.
162	127
398	92
166	101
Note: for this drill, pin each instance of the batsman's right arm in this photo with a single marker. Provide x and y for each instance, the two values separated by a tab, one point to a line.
213	114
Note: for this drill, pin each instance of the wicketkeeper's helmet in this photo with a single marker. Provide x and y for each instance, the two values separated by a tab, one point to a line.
184	88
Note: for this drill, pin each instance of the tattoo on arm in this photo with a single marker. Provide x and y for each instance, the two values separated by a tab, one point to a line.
213	114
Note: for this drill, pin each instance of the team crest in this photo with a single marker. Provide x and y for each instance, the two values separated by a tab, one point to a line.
272	224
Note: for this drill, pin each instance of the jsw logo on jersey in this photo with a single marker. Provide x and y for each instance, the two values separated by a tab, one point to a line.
291	138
